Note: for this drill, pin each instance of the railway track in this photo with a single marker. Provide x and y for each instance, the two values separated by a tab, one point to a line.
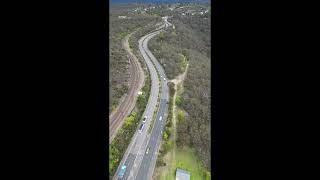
138	165
116	119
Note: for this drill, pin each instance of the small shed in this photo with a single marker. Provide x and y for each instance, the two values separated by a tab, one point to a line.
182	174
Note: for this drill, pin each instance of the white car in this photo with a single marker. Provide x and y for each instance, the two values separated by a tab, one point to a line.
144	119
164	79
160	118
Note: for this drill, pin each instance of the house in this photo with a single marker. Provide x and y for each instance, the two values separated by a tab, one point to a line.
182	174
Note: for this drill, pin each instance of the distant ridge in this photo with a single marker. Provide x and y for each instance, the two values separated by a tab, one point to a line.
158	1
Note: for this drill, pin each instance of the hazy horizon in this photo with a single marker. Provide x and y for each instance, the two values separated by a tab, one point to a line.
156	1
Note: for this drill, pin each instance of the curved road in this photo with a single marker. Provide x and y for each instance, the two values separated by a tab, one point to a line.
140	164
149	159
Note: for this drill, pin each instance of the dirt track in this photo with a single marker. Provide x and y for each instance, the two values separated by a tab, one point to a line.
125	107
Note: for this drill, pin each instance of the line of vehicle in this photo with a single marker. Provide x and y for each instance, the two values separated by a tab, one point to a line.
149	105
135	143
139	164
146	171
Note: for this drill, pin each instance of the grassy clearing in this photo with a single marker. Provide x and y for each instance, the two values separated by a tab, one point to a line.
171	158
186	159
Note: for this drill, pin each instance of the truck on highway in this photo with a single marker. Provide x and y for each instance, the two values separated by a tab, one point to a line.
122	171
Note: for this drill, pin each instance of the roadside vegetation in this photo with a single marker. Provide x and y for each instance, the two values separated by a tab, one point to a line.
167	140
156	109
189	42
120	143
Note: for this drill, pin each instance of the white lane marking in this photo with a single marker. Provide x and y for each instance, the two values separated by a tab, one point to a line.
150	112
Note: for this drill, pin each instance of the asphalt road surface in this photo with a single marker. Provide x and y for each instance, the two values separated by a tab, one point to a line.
149	160
140	165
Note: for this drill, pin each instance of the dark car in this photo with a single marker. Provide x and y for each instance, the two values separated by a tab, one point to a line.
141	127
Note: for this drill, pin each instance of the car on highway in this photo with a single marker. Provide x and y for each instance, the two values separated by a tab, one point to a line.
148	150
160	118
164	79
122	171
144	119
141	127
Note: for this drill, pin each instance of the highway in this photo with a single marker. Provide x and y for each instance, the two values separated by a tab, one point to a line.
140	165
149	160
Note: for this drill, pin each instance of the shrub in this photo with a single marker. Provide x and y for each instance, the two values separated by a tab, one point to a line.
179	100
181	115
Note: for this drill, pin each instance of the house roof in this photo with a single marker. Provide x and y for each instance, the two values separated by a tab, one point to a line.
182	174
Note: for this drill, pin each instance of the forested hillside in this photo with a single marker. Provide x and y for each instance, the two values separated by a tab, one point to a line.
190	42
122	22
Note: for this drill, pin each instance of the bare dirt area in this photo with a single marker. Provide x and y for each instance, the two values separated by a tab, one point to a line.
178	87
136	80
178	81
